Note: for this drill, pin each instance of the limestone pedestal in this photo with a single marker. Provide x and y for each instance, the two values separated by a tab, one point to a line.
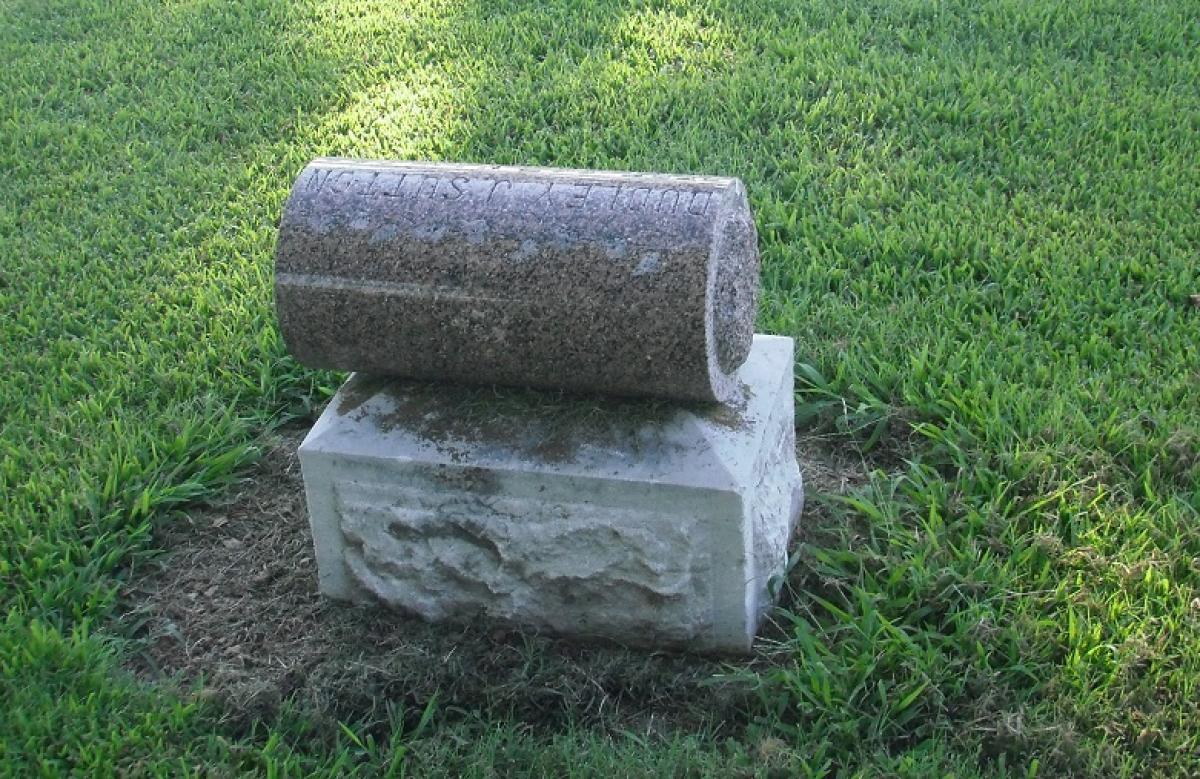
640	521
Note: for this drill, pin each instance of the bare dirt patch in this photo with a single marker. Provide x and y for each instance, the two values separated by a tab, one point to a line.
830	466
230	609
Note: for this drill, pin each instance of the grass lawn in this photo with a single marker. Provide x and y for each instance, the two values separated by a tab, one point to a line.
980	220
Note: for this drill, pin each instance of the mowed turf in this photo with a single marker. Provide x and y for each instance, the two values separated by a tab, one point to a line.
980	221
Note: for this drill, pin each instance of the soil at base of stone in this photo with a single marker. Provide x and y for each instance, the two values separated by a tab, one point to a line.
229	610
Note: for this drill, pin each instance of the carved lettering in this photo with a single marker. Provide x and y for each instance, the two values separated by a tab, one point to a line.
544	195
457	184
673	194
597	194
430	191
634	203
375	174
691	209
340	181
333	179
632	197
579	195
492	192
396	186
316	180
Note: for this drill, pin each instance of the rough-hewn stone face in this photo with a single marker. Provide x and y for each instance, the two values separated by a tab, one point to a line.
620	283
646	522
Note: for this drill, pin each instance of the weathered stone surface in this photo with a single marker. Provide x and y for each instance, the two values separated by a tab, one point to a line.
638	521
620	283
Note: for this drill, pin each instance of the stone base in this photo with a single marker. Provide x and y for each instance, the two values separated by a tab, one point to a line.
639	521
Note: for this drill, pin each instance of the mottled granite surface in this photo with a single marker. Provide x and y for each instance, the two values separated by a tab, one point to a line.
619	283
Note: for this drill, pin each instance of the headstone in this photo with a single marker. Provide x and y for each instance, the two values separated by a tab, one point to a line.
648	521
639	284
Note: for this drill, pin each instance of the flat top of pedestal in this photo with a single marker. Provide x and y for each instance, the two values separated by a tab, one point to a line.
703	445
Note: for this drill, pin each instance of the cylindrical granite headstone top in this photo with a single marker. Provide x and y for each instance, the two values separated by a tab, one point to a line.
621	283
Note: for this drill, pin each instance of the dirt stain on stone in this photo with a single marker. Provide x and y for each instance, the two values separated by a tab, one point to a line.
356	393
548	426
